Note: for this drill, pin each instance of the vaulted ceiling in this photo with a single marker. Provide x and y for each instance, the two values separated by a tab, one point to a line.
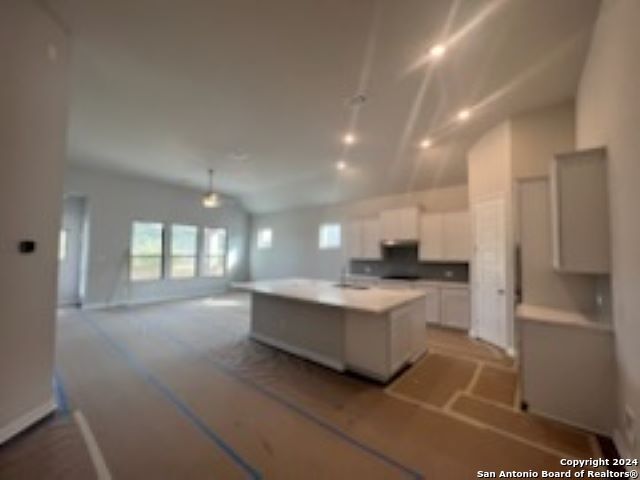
259	90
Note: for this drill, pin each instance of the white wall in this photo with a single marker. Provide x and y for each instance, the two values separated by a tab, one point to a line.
295	249
608	113
33	111
114	201
536	136
490	175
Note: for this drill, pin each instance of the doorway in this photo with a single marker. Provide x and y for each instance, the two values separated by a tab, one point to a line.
71	252
489	272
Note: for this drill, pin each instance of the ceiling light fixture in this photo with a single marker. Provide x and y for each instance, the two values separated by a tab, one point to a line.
210	199
464	114
349	139
426	143
341	165
437	51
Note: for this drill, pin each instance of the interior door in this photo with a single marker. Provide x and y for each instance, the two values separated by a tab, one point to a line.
70	248
489	297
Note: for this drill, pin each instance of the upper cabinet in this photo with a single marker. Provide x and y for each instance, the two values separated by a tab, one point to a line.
445	237
400	224
363	239
580	212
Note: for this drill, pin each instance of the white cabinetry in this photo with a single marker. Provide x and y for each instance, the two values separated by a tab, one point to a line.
431	237
400	224
432	305
567	367
455	310
363	239
445	237
447	304
580	210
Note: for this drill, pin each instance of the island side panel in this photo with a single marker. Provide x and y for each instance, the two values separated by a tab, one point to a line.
306	329
379	345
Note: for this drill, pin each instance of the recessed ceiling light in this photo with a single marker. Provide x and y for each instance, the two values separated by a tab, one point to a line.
341	164
464	114
437	51
426	143
349	139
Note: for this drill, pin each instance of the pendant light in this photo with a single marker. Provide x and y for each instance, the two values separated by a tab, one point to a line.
211	198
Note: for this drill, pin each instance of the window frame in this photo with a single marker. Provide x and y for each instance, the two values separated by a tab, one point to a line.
63	245
324	225
259	244
170	256
161	256
204	256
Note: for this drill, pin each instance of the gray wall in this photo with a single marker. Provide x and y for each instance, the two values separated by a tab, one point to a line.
295	249
114	202
608	107
535	137
33	110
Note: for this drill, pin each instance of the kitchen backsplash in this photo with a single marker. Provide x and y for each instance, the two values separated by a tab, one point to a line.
455	272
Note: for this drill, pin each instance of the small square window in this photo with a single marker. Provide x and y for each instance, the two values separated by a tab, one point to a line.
265	238
330	236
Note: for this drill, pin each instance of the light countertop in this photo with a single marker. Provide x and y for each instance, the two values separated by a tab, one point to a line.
559	317
373	299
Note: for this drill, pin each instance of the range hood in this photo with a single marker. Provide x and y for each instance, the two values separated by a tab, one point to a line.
399	243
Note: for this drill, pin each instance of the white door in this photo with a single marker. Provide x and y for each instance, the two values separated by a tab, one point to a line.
489	295
70	251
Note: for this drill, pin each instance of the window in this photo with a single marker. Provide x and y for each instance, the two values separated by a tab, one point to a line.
265	238
330	235
62	246
184	251
146	251
214	254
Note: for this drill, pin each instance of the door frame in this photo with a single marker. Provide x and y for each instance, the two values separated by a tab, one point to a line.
82	251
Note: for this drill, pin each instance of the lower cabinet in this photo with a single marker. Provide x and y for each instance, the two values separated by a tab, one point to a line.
449	306
432	307
455	308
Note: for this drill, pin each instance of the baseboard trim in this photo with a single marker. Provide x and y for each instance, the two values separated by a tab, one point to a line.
25	421
150	301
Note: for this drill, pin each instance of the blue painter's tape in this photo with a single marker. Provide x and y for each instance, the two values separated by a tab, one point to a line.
62	399
166	392
291	405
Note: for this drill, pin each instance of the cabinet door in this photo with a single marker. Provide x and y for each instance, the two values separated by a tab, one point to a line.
400	329
432	305
431	238
455	307
409	223
371	239
456	228
388	225
354	239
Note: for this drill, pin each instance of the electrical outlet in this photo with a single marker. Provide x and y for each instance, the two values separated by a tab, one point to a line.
629	423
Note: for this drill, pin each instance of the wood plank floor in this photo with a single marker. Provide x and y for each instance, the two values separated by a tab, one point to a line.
177	391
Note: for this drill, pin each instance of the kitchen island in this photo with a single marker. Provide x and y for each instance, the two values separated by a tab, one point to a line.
369	330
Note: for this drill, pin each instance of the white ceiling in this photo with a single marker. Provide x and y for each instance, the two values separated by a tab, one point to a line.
168	88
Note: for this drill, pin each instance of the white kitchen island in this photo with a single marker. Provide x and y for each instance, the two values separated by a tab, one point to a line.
372	331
